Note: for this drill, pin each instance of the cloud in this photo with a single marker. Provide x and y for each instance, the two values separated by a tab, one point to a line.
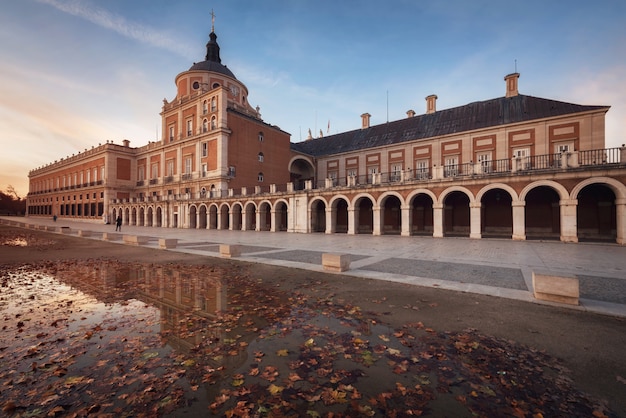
122	26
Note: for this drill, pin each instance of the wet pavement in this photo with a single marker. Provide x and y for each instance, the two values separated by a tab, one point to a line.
494	267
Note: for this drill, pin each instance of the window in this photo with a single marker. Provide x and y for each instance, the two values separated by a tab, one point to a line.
213	123
95	175
484	158
333	176
523	154
231	171
396	170
205	149
451	166
171	133
204	169
351	172
154	171
205	107
189	127
88	176
260	177
102	173
205	126
213	104
260	157
421	169
187	165
140	173
261	137
170	168
372	171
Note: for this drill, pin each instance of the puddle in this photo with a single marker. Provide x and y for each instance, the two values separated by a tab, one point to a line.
121	339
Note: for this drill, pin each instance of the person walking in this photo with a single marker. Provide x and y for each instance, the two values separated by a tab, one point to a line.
118	223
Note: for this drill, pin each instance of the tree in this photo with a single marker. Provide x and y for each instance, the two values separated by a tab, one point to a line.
11	203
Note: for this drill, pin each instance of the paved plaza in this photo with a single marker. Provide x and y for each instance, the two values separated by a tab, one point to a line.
494	267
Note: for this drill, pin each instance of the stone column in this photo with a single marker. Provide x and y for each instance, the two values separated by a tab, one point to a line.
519	220
405	213
352	213
331	219
438	220
475	221
376	220
273	226
569	230
620	215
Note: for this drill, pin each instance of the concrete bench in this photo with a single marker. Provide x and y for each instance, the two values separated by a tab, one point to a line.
336	262
165	243
230	250
110	236
556	288
84	233
135	240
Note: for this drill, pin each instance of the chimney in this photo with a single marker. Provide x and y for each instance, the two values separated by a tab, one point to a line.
126	143
511	84
431	104
365	120
410	113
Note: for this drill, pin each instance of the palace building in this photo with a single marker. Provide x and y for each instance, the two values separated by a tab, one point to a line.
516	167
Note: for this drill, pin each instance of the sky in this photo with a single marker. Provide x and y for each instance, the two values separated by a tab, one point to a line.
77	73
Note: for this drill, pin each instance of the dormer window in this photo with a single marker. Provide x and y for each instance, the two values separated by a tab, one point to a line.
260	157
260	177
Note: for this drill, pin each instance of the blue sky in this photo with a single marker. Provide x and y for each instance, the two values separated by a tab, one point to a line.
76	73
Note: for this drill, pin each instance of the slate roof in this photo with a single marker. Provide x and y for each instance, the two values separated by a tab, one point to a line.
477	115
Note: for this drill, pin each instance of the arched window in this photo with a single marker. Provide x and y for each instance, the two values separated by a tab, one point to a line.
205	107
213	123
260	157
213	104
205	125
260	177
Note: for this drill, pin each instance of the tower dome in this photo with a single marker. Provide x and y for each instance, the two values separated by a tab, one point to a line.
212	60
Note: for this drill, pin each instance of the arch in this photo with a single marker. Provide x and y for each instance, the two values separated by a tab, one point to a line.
202	217
141	217
511	191
496	211
363	205
223	221
236	210
421	215
542	210
596	213
192	217
452	189
339	205
149	217
212	221
390	204
618	188
265	215
280	221
562	192
317	209
159	216
249	216
456	211
301	169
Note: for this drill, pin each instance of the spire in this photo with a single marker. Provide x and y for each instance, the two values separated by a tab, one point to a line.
212	48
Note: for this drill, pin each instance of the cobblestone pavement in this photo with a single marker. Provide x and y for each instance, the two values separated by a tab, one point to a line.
488	266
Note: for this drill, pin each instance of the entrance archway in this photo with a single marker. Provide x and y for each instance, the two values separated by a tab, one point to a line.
422	215
542	214
391	216
496	214
364	216
596	214
456	214
318	216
